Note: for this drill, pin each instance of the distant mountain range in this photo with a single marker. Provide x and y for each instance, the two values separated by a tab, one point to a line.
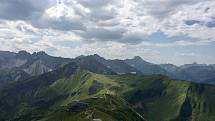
200	73
22	65
91	88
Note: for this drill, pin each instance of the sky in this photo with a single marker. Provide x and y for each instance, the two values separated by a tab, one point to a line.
160	31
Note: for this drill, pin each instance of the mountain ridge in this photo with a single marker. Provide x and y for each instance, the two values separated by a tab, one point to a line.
25	65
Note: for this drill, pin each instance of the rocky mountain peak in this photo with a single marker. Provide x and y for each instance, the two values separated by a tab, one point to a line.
23	53
137	58
40	53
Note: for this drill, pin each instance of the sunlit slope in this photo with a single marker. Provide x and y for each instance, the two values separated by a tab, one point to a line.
52	94
163	99
73	94
104	107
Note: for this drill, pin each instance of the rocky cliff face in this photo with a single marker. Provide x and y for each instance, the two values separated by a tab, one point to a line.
21	65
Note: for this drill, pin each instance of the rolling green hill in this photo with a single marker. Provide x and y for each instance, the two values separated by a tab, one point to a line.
73	94
104	107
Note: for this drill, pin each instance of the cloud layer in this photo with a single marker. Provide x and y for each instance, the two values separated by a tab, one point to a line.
108	26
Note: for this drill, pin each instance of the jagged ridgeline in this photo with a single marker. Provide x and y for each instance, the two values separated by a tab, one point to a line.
73	93
23	65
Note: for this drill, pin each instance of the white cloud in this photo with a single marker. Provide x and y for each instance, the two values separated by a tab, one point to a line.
113	28
175	24
186	54
134	16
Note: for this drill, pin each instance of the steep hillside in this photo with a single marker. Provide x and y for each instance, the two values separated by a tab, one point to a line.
16	97
175	71
22	65
92	64
71	93
116	66
200	73
33	64
102	108
8	76
160	98
62	92
145	67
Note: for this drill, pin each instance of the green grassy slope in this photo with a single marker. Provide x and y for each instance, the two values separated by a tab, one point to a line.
104	107
78	95
156	97
201	103
159	98
50	95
